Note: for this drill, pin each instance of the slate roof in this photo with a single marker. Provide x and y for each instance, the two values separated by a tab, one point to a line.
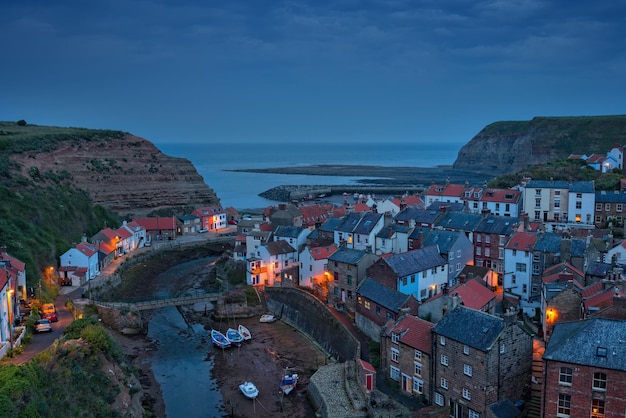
450	206
348	222
500	225
603	196
459	221
599	269
330	225
550	242
347	255
578	342
415	261
443	239
384	296
471	327
420	216
505	409
575	186
288	231
390	229
367	223
279	247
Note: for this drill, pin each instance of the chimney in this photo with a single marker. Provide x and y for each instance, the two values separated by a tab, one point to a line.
510	316
526	222
282	206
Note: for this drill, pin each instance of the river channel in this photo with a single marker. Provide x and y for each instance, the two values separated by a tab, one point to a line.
183	367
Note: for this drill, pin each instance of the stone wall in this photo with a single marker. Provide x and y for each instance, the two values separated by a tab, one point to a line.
306	313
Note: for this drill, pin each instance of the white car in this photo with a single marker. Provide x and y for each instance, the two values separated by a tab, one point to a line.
43	325
203	230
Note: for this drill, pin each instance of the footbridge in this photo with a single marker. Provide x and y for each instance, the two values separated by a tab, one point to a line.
160	303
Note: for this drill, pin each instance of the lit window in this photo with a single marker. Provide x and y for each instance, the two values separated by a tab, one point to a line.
597	408
565	404
439	399
467	394
467	369
444	383
367	304
599	381
444	359
394	355
565	376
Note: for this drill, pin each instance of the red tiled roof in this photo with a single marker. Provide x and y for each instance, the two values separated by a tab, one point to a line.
311	214
367	366
414	332
361	207
266	227
321	253
473	294
109	233
500	195
412	200
152	224
596	158
123	233
603	299
522	241
592	290
563	266
3	279
87	248
456	190
17	264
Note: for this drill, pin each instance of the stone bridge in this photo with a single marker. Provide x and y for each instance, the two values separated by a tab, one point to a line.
160	303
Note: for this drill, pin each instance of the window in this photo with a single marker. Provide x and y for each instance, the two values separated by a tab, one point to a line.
579	205
579	195
418	355
565	376
466	350
599	381
467	369
521	267
377	310
395	337
488	239
598	207
395	354
458	253
367	304
597	408
537	215
537	192
472	414
467	394
439	399
349	279
478	251
418	368
502	348
444	359
565	403
557	193
479	237
442	340
557	203
618	207
444	383
607	207
538	203
394	373
513	279
487	252
418	385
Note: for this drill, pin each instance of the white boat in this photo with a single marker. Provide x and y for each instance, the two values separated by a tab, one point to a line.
234	337
245	333
249	390
219	339
288	382
267	318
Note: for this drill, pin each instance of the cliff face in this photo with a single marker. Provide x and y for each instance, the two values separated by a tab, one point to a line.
505	147
128	175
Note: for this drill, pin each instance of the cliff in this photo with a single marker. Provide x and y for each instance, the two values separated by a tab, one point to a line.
505	147
119	171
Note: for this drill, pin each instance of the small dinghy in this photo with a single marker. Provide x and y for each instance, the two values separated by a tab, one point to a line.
249	390
288	382
219	339
234	337
267	318
245	333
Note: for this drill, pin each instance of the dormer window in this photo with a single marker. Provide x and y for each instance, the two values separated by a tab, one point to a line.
395	338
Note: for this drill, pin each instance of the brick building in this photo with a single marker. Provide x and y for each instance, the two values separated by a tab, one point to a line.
346	270
584	370
478	360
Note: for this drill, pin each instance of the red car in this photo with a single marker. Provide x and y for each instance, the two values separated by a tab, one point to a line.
50	316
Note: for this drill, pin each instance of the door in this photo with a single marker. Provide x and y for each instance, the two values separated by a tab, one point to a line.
407	384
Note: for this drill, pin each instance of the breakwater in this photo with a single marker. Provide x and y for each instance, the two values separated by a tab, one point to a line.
291	193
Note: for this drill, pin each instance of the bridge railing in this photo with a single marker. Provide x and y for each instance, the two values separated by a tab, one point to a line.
161	302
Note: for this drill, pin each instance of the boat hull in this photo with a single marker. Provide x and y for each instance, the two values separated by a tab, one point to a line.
219	339
249	390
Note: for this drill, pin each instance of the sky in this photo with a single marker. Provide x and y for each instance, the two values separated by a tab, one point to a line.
320	70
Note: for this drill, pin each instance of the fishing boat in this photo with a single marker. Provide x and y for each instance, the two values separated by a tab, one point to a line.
219	339
288	382
245	333
249	390
267	318
234	337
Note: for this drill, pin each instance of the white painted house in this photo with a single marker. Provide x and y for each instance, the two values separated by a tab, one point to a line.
518	268
83	255
313	265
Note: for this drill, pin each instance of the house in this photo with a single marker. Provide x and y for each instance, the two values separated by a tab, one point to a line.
490	237
212	218
378	304
454	246
559	201
315	215
603	163
268	262
394	205
294	235
518	267
255	239
561	300
406	352
444	193
617	154
479	360
459	221
346	270
83	255
599	296
125	241
187	224
412	217
16	271
285	214
447	206
365	231
420	273
326	232
610	207
501	202
584	369
392	238
472	293
158	229
313	268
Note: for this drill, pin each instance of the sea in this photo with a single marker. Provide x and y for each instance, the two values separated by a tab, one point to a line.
241	190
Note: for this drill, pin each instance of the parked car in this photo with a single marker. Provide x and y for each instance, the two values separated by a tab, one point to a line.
51	316
232	222
203	230
43	325
47	308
